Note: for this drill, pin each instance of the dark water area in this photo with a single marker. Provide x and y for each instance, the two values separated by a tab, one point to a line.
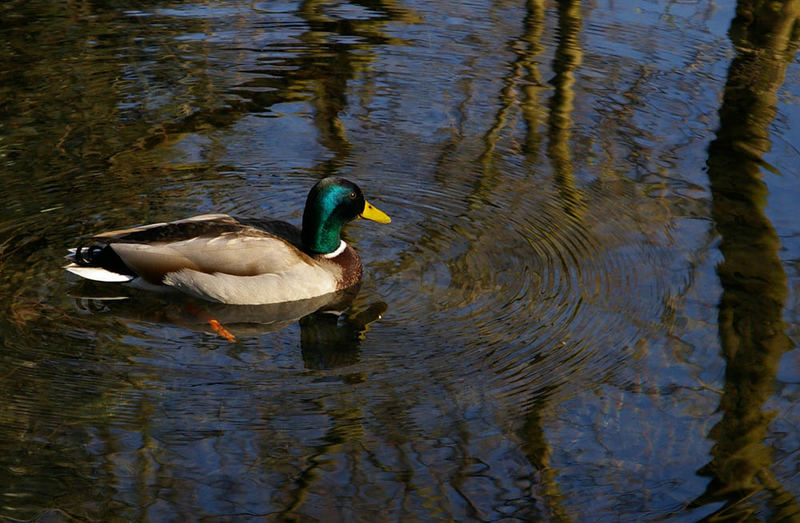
585	307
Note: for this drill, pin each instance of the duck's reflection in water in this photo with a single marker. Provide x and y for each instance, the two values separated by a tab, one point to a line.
331	326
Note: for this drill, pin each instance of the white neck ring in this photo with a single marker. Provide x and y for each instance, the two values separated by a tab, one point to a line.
339	250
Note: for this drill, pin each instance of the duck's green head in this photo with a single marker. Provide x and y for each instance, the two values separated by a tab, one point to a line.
332	203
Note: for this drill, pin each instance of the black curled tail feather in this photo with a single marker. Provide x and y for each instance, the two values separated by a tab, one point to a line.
103	256
86	256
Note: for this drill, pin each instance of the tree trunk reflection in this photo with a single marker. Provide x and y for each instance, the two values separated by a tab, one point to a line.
751	329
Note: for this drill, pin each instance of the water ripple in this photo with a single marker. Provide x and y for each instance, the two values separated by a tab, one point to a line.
534	288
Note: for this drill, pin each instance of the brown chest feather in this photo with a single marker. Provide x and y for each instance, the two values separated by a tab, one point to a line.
349	264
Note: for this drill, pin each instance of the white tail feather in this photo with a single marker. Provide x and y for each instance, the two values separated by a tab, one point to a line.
97	274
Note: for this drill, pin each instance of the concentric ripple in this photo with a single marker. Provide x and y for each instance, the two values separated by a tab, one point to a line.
533	289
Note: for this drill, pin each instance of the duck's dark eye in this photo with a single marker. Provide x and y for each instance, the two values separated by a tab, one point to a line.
352	195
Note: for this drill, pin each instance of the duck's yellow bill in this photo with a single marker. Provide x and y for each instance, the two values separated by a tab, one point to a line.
371	212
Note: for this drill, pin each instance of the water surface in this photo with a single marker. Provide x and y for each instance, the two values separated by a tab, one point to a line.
586	305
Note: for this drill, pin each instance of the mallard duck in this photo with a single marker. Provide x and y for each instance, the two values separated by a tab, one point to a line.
234	260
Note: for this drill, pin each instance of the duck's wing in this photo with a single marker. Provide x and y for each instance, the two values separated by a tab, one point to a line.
206	244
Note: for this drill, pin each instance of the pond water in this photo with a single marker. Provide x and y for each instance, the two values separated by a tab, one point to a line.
585	307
